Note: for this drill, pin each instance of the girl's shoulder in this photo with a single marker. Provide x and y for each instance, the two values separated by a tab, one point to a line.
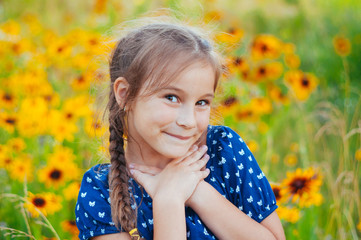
222	134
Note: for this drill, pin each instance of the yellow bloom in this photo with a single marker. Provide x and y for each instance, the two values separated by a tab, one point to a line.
292	61
61	155
59	170
22	168
288	214
246	113
261	105
16	144
7	100
213	15
79	105
228	106
70	226
277	95
238	65
6	158
231	37
358	154
82	81
10	27
342	45
71	192
303	186
266	46
8	121
302	84
94	127
100	6
60	128
47	203
253	146
288	48
276	188
291	160
266	72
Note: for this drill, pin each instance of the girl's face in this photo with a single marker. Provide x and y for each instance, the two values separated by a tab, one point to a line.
167	123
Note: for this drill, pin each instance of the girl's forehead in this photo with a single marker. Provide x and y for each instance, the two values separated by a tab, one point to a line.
177	77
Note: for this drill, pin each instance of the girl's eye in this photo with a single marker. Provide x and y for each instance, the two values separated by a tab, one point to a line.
172	98
203	102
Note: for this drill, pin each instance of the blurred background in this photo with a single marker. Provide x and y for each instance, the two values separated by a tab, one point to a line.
291	89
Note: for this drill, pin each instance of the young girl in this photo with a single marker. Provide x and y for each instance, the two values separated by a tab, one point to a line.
177	177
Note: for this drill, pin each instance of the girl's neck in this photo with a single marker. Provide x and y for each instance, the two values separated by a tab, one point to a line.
135	154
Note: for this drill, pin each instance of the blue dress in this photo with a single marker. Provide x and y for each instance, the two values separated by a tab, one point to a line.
234	173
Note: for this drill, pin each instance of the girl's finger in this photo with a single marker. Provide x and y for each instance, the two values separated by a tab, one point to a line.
141	178
200	164
195	156
203	174
145	169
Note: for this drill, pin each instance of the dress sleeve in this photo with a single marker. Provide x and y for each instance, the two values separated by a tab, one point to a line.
240	177
93	213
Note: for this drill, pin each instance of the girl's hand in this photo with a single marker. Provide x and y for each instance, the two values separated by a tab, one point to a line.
178	179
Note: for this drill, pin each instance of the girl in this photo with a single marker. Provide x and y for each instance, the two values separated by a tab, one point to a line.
177	177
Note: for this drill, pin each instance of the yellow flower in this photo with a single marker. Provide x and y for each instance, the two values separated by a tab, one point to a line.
6	158
57	174
288	214
276	188
342	45
71	192
302	84
266	47
238	65
253	146
261	105
292	61
288	48
358	154
291	160
277	95
10	27
7	100
303	186
16	144
100	6
228	106
61	155
60	128
266	72
8	121
47	203
231	37
82	81
94	127
79	105
22	168
213	15
246	113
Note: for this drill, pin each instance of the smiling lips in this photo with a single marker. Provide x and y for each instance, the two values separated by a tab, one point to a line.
179	137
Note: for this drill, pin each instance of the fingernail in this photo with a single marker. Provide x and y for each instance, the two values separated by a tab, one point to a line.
132	171
204	148
206	157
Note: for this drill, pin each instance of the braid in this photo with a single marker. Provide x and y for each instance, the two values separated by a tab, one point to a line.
122	212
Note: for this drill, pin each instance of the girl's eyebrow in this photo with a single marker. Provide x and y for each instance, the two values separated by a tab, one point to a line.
182	91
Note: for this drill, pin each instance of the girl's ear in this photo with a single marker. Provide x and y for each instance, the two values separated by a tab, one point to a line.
121	86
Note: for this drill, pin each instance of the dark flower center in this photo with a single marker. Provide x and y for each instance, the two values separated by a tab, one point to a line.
262	70
238	61
264	48
39	202
305	82
298	184
277	193
55	174
229	101
7	97
10	121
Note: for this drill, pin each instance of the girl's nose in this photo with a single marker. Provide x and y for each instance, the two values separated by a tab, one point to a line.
186	117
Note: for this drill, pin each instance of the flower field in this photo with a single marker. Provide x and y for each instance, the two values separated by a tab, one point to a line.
291	89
